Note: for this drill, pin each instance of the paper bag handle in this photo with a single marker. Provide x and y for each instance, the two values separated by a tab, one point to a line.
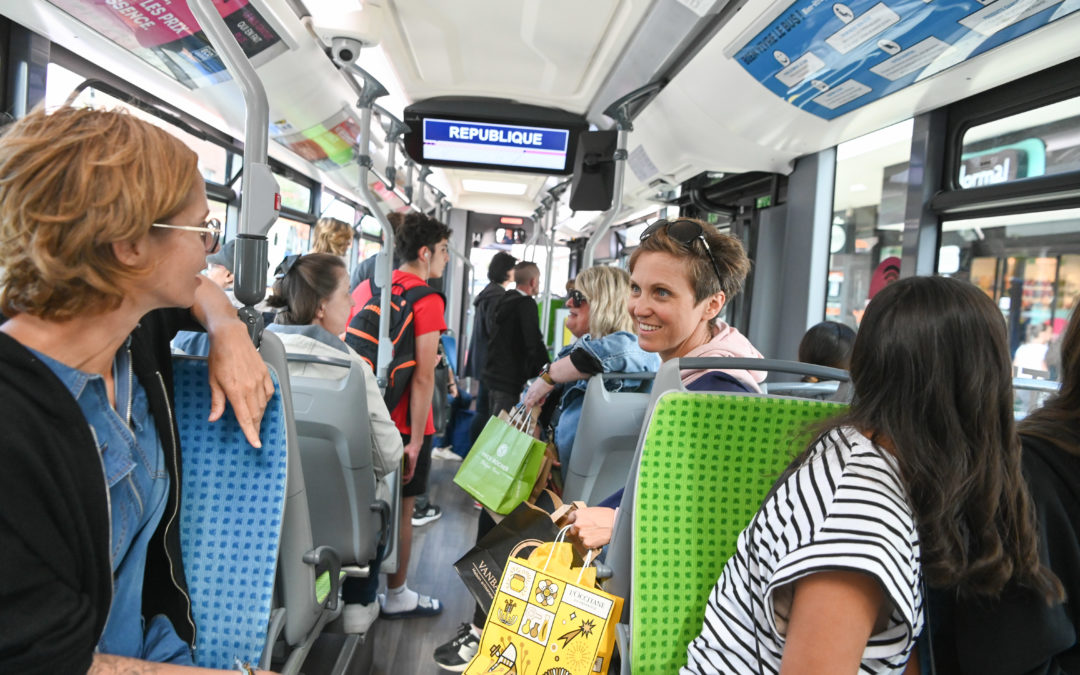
559	538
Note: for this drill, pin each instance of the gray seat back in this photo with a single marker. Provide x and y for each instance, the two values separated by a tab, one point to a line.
334	433
606	437
296	578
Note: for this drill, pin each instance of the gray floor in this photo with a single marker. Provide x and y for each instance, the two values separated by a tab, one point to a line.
405	647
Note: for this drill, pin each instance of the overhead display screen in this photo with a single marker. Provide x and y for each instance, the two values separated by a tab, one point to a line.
829	57
492	134
497	145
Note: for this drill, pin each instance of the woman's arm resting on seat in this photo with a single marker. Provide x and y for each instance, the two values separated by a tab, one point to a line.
832	618
237	372
562	370
107	664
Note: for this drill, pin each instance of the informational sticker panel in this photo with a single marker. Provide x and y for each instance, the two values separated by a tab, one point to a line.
495	144
830	57
164	33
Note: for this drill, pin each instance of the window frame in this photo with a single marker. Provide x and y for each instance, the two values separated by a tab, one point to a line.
1038	193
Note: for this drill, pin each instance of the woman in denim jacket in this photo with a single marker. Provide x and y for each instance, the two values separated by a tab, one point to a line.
599	316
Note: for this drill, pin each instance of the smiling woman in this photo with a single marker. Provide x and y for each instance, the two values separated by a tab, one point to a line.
681	276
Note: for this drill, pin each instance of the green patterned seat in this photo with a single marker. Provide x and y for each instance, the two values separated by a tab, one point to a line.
707	463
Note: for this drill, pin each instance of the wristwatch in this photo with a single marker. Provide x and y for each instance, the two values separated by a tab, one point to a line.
545	375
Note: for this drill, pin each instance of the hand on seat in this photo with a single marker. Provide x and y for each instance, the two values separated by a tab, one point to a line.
237	373
592	525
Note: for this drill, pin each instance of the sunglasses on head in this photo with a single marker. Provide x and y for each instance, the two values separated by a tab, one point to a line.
210	232
685	232
576	298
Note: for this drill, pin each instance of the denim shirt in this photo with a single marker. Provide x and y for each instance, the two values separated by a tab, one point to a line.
618	353
138	483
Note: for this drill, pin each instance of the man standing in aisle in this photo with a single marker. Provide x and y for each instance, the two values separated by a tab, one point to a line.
421	243
516	351
483	325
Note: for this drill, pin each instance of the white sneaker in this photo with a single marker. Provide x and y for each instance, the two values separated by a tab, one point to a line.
446	453
358	618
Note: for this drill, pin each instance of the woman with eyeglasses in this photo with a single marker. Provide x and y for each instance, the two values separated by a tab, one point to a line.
104	225
607	344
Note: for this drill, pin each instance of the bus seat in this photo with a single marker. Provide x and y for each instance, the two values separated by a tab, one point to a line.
334	433
230	520
449	345
605	441
721	454
309	576
619	556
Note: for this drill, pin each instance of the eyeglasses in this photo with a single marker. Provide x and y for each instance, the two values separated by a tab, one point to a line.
685	232
577	298
210	232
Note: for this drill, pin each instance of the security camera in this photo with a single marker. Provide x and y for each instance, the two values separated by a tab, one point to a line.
345	50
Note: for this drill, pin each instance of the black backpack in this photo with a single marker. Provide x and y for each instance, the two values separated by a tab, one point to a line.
363	335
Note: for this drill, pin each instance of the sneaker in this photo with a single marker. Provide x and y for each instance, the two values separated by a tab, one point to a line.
425	516
477	505
456	654
446	453
357	618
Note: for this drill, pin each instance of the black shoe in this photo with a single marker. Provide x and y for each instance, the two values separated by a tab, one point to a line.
425	516
456	654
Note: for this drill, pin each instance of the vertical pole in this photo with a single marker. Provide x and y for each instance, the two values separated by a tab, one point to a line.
546	316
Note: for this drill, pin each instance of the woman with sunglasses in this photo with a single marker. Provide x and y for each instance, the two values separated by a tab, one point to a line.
607	344
105	231
681	276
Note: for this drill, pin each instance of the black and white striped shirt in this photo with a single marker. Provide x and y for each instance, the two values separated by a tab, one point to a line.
844	508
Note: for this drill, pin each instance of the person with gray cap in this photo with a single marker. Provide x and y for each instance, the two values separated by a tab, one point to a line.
219	265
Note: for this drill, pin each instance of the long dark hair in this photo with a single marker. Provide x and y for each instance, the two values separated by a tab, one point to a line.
1058	420
933	380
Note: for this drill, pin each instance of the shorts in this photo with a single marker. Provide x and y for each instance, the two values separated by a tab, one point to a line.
418	485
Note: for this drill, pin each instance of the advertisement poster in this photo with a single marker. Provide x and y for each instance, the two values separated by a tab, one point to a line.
830	57
328	145
165	34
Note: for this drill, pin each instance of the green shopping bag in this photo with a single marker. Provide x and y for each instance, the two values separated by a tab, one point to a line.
503	464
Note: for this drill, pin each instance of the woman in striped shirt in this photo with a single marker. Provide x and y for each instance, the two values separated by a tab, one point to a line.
921	477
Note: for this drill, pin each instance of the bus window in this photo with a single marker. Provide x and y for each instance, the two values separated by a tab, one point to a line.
1039	142
213	158
1029	264
285	237
335	207
294	195
868	216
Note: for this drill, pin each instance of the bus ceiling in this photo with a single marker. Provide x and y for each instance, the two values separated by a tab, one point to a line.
749	85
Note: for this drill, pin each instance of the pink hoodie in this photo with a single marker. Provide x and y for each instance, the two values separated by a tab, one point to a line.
730	343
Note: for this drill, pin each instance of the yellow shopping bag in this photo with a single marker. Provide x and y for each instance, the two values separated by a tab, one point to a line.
547	619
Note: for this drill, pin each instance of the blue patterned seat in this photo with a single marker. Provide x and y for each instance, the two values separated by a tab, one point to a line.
230	519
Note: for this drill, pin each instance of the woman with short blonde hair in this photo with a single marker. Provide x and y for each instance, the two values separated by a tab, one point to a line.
606	344
332	236
608	288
